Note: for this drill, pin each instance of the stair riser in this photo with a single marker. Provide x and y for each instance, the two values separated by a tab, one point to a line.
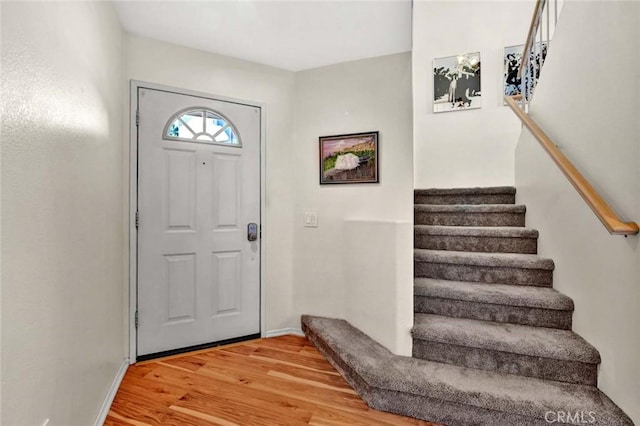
538	317
445	412
476	244
469	219
354	379
465	199
484	274
522	365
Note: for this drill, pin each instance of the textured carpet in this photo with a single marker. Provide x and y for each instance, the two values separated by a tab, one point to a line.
495	195
517	349
449	394
492	340
476	239
516	304
470	215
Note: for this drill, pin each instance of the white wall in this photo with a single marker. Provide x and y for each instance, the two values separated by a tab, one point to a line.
163	63
1	115
588	102
377	257
359	96
474	147
62	242
362	95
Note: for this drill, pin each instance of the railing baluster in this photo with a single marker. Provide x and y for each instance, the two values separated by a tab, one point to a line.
548	30
540	30
539	34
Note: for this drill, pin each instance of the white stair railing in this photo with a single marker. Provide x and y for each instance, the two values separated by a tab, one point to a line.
541	30
543	23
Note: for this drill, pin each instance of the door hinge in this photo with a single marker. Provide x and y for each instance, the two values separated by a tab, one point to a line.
260	231
136	319
137	218
137	117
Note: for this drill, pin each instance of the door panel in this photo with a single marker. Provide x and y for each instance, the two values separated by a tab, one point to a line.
181	287
181	197
198	275
227	272
226	186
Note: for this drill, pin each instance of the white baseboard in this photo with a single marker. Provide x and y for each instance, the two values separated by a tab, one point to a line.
284	331
113	390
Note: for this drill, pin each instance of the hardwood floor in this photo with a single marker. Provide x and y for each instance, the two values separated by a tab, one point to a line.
277	381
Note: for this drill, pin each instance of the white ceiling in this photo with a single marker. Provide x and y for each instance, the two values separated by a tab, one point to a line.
293	35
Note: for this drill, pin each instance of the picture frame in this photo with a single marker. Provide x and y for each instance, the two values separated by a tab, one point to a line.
512	60
349	158
456	83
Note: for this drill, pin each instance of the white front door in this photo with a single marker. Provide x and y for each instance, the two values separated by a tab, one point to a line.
198	193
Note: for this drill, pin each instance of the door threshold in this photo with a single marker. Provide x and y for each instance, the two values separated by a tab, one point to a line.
179	351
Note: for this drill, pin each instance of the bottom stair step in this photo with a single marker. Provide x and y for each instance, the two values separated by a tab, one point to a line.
450	394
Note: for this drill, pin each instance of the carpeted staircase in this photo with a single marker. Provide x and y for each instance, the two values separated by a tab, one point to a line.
492	340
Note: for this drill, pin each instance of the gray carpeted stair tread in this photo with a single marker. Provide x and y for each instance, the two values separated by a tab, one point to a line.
469	208
467	191
376	373
477	231
501	195
503	337
469	214
494	260
498	294
488	239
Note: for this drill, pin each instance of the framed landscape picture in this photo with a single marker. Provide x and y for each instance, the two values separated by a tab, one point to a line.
456	83
351	158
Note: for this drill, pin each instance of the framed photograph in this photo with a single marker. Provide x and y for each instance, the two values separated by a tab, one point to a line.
456	83
351	158
512	60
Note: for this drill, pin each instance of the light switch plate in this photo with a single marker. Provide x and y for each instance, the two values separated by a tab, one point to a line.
310	219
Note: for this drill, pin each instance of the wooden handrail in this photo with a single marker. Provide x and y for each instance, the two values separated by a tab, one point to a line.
607	216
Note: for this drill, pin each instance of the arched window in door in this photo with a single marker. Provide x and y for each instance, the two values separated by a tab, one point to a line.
201	125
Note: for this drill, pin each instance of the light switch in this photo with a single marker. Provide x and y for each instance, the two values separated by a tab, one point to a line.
310	219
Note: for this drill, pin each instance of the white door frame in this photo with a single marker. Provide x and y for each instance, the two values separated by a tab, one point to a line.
133	199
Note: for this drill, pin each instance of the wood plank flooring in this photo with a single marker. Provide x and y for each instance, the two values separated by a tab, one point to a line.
277	381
